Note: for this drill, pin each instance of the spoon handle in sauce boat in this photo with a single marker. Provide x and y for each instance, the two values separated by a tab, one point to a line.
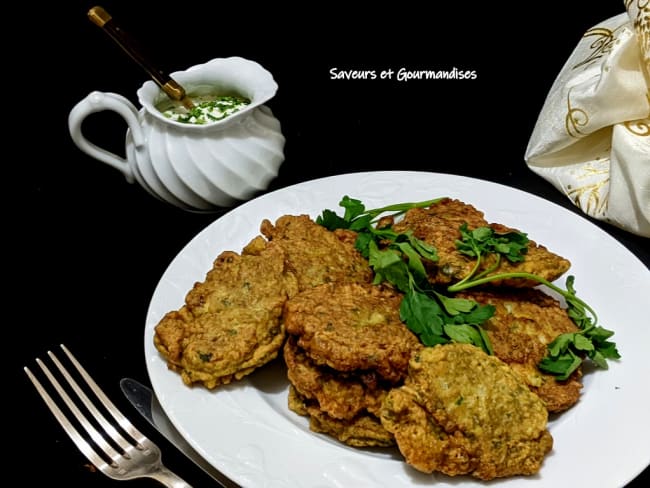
103	19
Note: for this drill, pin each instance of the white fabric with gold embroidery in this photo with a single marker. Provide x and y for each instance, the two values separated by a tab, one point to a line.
592	137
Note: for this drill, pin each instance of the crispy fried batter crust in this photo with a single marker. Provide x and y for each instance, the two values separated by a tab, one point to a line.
316	255
461	411
523	324
340	395
352	326
230	323
438	225
362	430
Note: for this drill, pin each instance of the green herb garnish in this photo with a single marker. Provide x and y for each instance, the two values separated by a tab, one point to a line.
565	353
399	259
436	317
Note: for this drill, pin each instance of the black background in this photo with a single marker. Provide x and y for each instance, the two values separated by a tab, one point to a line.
86	249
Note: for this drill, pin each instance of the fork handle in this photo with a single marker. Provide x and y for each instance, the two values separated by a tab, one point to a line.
169	479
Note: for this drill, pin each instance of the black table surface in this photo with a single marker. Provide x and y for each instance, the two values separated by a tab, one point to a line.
87	249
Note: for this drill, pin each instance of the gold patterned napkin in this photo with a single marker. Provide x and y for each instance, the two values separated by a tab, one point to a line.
592	137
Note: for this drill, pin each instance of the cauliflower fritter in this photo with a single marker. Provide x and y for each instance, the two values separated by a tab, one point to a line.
362	430
524	323
316	255
439	225
352	326
230	323
461	412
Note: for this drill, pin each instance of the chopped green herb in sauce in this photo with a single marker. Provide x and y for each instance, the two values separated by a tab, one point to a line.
207	111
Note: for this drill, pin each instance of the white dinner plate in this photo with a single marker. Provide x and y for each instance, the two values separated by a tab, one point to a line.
246	430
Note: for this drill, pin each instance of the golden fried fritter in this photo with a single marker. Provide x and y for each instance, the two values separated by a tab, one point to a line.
259	281
461	411
352	326
340	395
217	348
523	324
363	430
230	323
439	225
315	254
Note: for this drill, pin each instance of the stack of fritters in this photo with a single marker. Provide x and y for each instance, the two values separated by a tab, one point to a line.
347	348
356	370
461	411
231	322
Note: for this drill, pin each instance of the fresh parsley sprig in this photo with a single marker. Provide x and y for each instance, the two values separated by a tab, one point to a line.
567	350
356	217
398	258
565	353
436	318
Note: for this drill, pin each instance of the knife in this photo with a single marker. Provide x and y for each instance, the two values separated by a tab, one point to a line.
145	402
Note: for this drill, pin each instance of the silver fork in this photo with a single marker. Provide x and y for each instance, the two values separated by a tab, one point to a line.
126	457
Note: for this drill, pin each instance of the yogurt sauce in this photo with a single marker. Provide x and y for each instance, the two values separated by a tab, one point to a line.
207	110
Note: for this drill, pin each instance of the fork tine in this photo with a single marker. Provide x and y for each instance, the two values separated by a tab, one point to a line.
78	440
110	406
112	432
99	440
